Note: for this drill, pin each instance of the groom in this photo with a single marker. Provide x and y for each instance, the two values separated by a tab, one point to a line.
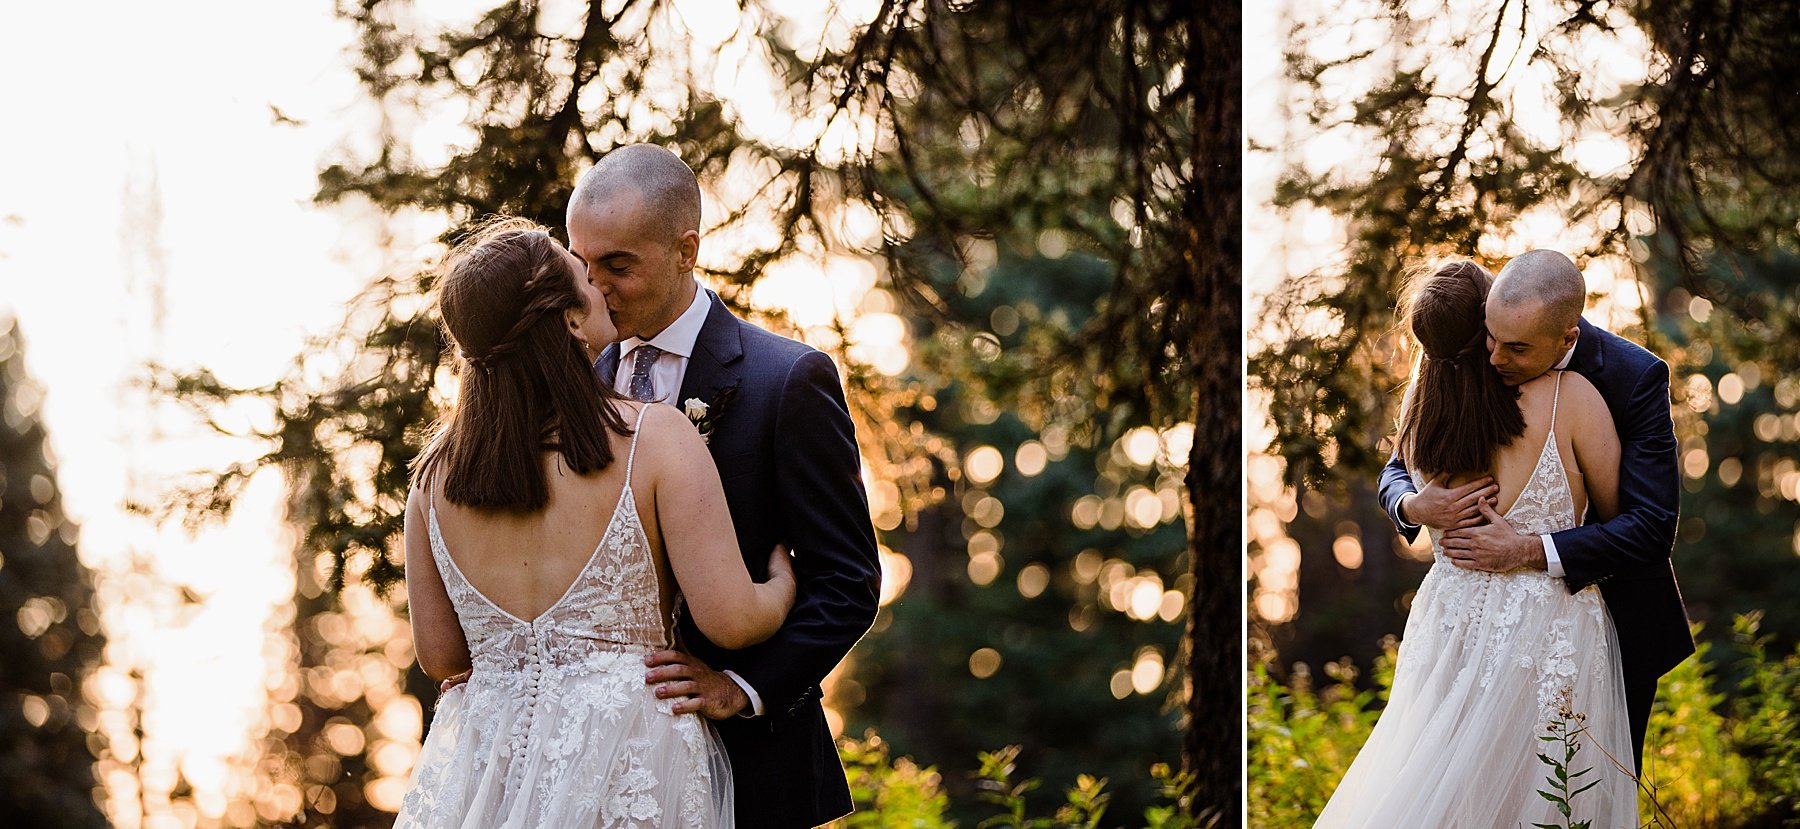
1534	325
780	432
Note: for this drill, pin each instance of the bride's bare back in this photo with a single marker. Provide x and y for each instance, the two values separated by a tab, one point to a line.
525	562
1585	440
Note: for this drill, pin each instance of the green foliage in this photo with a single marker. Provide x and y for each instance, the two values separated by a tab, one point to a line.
1302	740
1713	760
891	794
1766	714
1565	733
1693	771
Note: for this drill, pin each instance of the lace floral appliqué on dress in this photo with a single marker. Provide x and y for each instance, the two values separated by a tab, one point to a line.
1488	662
555	727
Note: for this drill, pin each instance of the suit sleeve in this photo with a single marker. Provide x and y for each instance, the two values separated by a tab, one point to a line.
1396	483
1643	533
818	475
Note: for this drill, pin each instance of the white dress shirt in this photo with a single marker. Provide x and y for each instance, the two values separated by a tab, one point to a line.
677	344
1552	562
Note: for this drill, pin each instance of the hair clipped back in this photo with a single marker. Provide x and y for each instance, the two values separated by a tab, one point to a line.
526	386
1460	411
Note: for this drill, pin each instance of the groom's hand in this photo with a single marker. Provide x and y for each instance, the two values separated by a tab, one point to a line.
1448	508
1493	547
697	688
453	681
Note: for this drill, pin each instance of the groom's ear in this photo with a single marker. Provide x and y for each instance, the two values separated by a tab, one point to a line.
687	249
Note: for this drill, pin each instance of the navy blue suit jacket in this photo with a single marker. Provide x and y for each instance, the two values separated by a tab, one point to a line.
1627	556
786	453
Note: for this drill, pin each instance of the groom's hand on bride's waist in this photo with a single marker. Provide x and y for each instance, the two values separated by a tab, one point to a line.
1493	546
453	681
695	687
1447	508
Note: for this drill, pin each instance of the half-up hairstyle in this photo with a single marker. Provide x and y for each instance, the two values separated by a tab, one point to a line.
1460	411
527	387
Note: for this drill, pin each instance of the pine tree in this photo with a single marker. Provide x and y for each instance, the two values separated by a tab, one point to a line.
50	638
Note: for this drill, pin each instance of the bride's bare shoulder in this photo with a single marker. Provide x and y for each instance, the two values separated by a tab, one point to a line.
1578	404
1579	395
664	433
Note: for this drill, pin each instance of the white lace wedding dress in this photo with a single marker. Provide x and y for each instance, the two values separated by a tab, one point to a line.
1487	663
555	727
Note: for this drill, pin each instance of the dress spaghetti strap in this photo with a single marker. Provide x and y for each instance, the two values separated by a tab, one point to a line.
1555	397
631	456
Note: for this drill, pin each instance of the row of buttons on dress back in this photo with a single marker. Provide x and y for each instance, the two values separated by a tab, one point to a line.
534	672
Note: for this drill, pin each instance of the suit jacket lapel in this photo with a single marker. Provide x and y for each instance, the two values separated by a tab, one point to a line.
710	370
607	365
1589	359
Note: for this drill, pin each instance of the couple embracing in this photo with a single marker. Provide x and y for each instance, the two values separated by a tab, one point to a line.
1538	452
613	573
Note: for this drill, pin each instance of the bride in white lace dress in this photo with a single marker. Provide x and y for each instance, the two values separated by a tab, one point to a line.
545	538
1490	661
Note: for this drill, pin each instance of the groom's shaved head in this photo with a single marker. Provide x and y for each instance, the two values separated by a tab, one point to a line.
1546	279
664	186
1532	313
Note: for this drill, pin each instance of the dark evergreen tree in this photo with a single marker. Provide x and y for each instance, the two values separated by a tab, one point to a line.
50	635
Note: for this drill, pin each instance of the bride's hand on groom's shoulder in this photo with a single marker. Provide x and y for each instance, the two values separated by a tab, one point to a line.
1449	508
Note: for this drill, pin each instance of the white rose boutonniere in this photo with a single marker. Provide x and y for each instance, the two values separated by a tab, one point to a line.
704	415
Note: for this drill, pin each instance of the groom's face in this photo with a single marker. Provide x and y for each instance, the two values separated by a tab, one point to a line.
1521	343
636	260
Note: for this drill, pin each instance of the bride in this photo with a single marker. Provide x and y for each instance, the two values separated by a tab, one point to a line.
1492	662
549	524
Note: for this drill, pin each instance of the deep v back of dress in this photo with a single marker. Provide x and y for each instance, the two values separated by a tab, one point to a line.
556	726
1489	663
1546	501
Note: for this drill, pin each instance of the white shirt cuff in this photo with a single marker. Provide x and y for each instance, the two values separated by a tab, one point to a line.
1552	562
1400	512
756	708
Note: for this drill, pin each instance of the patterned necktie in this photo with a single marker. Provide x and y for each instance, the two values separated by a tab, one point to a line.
642	359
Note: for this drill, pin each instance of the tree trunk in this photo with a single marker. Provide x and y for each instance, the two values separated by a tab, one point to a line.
1215	729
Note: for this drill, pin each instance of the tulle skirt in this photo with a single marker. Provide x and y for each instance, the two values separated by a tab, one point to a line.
1490	663
587	748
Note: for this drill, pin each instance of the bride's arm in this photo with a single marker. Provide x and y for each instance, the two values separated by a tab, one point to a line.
437	636
731	609
1596	443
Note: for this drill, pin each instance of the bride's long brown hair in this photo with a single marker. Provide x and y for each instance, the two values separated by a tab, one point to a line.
526	384
1460	411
